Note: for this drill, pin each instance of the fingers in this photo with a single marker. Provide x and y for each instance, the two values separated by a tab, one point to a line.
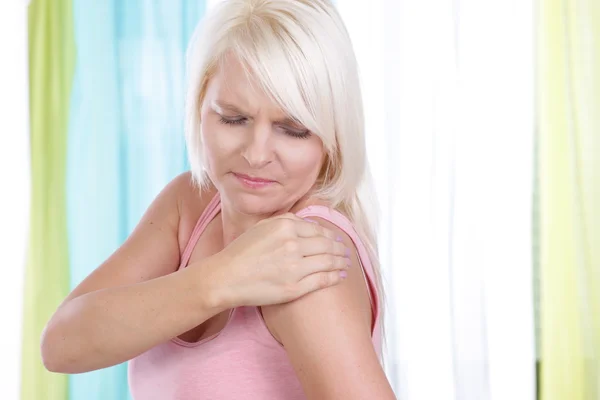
321	245
307	228
323	263
321	280
288	215
304	228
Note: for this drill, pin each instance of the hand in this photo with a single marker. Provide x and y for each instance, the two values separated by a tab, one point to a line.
278	260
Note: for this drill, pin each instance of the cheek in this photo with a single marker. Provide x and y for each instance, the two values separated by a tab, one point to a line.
216	145
305	162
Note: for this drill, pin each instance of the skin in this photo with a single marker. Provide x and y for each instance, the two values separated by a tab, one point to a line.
261	144
137	298
259	141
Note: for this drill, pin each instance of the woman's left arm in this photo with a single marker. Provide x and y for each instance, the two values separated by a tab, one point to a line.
327	336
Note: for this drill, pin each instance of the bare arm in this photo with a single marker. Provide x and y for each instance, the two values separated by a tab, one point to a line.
135	299
327	337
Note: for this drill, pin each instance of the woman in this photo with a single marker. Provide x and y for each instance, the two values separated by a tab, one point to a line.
254	275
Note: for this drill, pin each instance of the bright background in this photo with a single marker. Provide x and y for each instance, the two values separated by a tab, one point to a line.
483	130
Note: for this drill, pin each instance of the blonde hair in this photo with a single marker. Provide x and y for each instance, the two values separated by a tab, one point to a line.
301	55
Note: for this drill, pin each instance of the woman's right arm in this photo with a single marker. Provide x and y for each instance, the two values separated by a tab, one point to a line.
133	301
137	299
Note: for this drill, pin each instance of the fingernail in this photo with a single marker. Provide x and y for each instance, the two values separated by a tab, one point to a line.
339	239
347	252
311	220
343	274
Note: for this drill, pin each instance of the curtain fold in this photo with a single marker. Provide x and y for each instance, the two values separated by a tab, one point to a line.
126	138
569	187
459	120
51	63
95	216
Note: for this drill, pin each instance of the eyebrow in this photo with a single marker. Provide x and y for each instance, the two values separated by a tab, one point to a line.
225	106
228	106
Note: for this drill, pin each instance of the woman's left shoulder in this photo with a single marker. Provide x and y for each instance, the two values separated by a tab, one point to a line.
321	209
341	298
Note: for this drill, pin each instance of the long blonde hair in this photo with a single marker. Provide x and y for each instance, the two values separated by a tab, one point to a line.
301	54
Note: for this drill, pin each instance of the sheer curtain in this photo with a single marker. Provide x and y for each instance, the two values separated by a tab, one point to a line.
448	90
126	137
569	190
51	63
14	175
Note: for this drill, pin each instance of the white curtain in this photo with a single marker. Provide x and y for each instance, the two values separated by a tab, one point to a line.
448	90
14	180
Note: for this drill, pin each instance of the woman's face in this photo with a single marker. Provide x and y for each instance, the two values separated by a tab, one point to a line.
260	161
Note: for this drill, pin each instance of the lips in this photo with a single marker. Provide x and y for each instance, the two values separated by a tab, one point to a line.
253	178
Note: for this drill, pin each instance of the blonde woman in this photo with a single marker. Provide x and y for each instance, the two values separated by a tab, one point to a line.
254	275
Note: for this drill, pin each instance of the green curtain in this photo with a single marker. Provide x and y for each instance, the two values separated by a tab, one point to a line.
569	166
51	61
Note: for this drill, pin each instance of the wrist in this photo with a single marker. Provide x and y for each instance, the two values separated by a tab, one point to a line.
211	287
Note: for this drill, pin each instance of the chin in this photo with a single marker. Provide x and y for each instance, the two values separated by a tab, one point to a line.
249	203
253	205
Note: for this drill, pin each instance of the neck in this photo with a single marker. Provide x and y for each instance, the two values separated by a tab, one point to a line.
236	223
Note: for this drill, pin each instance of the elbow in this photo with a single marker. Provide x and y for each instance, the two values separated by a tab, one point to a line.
52	364
55	349
62	350
59	343
49	359
49	348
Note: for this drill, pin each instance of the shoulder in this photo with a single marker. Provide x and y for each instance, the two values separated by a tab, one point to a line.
190	196
190	201
327	333
350	298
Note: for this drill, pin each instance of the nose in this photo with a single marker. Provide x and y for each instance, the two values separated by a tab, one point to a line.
258	149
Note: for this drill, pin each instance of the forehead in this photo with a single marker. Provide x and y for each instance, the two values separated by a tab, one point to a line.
234	84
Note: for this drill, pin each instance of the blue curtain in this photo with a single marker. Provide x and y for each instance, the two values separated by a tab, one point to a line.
125	134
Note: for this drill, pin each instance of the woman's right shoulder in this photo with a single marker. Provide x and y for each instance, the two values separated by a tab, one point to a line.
190	196
192	200
154	247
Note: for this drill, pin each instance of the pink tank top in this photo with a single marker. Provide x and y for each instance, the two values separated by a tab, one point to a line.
243	361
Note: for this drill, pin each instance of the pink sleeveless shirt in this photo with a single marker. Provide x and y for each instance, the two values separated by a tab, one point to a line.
243	361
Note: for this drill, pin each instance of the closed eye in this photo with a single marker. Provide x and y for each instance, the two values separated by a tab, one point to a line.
298	134
234	121
304	134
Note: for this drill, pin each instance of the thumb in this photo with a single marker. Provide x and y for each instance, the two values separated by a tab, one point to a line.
288	215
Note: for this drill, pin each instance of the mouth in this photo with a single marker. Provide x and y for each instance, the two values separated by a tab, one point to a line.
253	182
